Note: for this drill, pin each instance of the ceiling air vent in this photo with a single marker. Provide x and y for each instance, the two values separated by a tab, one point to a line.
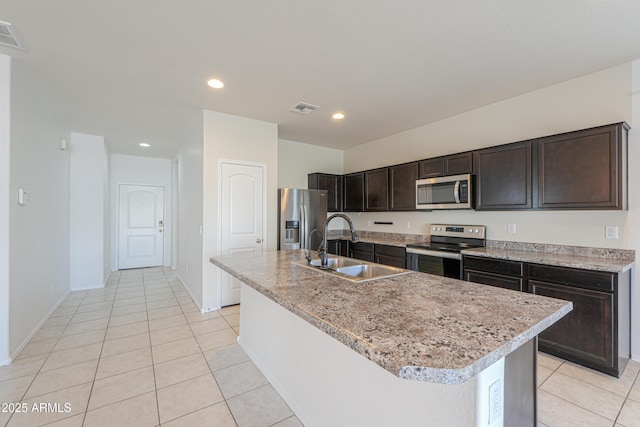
9	37
304	108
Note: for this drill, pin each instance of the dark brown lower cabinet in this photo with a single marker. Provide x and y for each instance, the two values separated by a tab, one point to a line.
494	272
338	247
382	254
394	256
596	333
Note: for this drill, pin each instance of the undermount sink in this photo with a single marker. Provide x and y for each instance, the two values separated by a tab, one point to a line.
353	270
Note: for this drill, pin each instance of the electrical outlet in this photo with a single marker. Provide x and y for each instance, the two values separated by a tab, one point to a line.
408	225
495	401
511	228
611	231
369	223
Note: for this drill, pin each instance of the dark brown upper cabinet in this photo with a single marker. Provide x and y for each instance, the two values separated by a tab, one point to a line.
353	194
376	190
583	169
504	177
333	185
402	184
454	164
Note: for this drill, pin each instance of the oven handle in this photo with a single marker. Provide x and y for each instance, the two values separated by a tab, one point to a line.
439	254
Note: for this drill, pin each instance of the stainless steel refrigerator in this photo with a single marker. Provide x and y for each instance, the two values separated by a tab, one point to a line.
299	213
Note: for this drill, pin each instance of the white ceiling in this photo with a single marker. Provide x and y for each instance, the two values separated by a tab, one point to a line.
137	70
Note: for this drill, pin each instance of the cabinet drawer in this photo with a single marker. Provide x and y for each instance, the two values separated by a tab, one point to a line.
510	268
395	251
599	281
498	280
362	247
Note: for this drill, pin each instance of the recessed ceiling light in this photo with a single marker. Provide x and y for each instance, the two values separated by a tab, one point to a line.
215	83
144	144
338	116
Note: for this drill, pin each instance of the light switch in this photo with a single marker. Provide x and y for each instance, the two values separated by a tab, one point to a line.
511	228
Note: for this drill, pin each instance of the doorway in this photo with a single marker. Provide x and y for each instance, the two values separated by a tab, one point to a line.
140	226
242	216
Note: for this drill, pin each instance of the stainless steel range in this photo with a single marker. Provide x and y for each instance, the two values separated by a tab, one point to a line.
442	255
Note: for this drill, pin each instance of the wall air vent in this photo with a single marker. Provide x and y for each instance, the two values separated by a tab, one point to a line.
9	37
304	108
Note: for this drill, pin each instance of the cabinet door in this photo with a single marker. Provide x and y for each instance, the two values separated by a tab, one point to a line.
343	249
457	164
504	177
431	168
376	188
333	247
582	170
402	181
390	260
333	185
586	334
498	280
353	194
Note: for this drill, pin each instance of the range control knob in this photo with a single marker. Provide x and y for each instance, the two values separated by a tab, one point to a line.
476	231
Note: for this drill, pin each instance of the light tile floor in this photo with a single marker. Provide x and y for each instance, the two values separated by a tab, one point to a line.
139	353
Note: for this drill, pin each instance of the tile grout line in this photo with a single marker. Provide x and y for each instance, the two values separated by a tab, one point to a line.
86	409
47	355
582	407
224	399
627	397
153	364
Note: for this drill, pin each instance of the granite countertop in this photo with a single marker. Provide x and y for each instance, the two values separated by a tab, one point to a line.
607	260
416	326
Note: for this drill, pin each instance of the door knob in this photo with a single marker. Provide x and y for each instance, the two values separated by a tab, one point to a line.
259	241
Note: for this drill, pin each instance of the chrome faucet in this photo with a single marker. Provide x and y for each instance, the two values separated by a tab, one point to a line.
322	251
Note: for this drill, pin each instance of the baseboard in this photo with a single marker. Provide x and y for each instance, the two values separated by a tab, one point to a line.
37	328
4	362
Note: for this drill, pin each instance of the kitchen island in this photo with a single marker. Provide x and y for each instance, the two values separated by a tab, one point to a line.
414	349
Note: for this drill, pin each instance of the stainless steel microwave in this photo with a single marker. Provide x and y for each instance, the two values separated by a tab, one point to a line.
445	192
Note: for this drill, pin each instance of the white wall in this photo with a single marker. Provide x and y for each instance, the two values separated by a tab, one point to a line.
39	231
593	100
5	116
190	210
296	160
632	236
136	170
89	211
234	138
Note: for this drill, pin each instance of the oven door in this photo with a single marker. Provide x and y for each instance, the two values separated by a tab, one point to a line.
440	263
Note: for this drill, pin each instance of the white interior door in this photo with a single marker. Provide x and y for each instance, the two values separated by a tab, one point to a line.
140	226
241	217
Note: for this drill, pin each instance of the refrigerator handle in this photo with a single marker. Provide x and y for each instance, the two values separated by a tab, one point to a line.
305	225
